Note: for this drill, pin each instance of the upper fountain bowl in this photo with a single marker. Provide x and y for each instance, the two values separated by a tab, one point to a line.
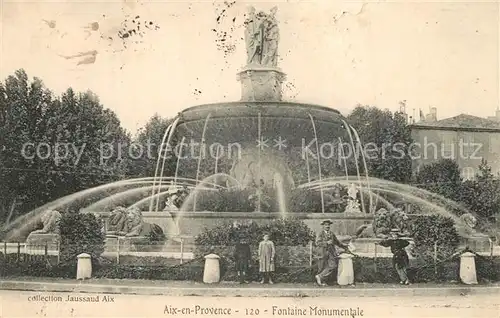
245	121
252	109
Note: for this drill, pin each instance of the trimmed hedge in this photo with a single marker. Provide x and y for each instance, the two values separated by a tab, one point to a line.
289	231
366	270
290	236
429	229
81	233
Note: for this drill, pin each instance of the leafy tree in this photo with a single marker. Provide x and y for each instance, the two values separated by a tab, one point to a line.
51	147
23	108
482	195
441	177
149	140
386	139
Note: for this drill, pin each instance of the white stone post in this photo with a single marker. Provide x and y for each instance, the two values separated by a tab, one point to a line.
84	266
468	268
211	273
345	274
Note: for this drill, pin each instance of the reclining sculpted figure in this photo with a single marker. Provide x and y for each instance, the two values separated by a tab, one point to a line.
50	220
130	223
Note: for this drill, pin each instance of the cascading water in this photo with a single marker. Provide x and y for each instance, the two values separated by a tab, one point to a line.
211	183
21	226
280	195
431	202
319	161
161	151
120	199
354	151
358	141
162	155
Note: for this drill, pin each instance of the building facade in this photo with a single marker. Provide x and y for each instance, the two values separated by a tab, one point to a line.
464	138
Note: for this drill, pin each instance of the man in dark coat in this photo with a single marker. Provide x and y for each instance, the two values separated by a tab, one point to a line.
400	259
242	257
326	242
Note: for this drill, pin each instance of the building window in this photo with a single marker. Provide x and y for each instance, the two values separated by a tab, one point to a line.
469	148
468	173
494	143
447	145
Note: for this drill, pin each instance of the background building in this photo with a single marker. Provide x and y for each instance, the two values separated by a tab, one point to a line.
464	138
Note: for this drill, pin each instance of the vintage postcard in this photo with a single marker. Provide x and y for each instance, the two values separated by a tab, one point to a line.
249	158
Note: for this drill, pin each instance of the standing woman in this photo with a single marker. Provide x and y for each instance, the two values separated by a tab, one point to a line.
266	259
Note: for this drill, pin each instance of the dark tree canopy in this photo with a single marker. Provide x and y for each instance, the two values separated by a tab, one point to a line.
481	196
52	146
386	139
441	177
149	139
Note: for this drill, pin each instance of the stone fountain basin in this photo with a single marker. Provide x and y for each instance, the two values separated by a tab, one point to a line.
344	226
193	223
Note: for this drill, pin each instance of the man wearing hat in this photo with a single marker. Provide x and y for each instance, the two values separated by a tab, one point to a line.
400	259
326	242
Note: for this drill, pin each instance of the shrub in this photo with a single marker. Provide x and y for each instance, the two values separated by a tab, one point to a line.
366	270
481	195
488	269
426	230
290	236
192	272
80	233
287	231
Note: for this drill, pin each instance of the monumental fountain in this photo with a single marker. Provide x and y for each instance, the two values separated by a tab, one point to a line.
254	160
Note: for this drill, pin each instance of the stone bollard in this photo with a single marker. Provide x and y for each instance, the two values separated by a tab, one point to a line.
84	266
345	274
211	273
468	268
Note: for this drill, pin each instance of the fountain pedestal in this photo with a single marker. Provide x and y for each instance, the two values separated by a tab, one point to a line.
261	84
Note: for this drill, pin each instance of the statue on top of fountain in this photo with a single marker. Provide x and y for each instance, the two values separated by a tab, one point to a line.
352	200
262	37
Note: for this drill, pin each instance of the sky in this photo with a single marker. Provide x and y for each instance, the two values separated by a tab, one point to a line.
338	54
